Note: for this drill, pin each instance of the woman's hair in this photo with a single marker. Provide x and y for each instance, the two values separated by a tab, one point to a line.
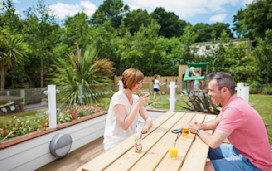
131	77
223	80
156	76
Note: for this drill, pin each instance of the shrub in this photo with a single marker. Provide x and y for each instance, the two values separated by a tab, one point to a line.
267	90
253	90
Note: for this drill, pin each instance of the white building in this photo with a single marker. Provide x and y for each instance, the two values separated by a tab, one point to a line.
206	48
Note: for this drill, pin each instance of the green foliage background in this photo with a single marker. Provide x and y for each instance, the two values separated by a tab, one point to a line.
155	43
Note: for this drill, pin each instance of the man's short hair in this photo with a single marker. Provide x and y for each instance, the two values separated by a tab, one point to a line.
223	80
131	77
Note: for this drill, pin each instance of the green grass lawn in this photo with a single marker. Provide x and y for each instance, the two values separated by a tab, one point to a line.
164	103
262	103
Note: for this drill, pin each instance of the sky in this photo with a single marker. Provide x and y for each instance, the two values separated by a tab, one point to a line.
192	11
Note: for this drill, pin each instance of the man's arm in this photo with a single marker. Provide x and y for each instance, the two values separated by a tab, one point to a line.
213	140
211	125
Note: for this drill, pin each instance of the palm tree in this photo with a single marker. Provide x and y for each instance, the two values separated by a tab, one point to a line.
87	71
11	52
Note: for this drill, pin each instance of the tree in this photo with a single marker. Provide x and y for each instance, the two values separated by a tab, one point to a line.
12	47
219	28
170	23
11	52
263	54
10	19
187	40
212	32
87	71
114	10
104	40
135	19
77	30
253	21
238	27
142	51
41	33
233	59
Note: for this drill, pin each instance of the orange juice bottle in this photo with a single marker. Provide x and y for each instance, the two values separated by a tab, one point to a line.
173	151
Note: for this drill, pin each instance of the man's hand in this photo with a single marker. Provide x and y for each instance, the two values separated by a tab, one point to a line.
193	126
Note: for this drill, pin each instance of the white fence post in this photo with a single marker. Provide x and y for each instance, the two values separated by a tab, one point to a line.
172	95
80	94
52	106
121	86
7	93
245	93
239	89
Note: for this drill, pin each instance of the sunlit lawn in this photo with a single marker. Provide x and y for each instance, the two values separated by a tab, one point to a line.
262	103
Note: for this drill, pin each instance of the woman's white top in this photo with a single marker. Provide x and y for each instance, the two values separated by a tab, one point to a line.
114	133
157	84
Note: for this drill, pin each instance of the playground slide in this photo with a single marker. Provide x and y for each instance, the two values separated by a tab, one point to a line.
188	78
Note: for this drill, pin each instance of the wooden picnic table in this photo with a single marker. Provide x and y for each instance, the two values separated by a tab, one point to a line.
192	151
15	99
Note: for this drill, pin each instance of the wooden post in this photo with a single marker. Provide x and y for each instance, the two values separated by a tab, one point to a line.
52	106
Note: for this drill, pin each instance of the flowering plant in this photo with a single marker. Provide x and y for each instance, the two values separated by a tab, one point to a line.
18	127
68	114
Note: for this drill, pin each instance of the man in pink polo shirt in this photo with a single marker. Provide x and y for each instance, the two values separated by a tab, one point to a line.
240	123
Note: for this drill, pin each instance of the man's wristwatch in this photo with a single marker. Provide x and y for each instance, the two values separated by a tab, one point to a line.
197	131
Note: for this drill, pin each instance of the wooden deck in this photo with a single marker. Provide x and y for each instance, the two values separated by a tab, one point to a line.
75	159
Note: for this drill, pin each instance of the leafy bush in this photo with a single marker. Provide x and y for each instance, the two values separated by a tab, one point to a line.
87	71
253	90
267	90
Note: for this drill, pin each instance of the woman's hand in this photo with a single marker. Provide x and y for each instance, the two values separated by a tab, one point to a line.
144	99
146	127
